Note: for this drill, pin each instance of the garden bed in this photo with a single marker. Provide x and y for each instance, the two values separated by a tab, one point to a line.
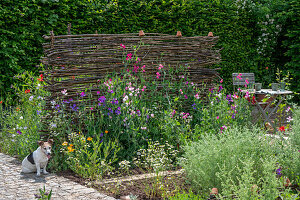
144	186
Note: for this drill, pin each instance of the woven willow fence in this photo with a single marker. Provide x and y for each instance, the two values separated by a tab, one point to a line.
75	62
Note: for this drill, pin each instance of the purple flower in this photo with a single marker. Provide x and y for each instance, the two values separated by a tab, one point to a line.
278	172
74	108
65	101
115	101
233	116
194	106
110	110
138	112
38	112
70	99
229	98
19	132
118	112
102	99
101	141
220	88
211	90
57	106
101	134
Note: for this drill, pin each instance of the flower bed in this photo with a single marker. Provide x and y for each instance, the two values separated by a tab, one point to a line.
153	124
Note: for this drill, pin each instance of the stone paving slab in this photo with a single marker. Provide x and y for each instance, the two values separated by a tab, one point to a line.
19	186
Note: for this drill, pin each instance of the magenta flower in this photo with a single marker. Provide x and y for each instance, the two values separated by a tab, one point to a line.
185	96
123	46
218	117
98	92
239	76
220	88
247	82
143	68
129	56
19	132
82	94
157	75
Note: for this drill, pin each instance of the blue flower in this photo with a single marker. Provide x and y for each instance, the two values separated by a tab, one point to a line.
38	112
194	106
74	108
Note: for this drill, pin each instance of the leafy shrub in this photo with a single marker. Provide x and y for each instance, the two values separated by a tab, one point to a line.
235	160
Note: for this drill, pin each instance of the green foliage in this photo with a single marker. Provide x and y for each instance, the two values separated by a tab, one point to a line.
20	125
252	33
90	157
236	160
43	194
183	196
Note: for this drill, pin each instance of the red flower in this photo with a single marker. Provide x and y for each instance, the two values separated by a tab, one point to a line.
282	128
1	102
27	91
267	67
41	78
253	101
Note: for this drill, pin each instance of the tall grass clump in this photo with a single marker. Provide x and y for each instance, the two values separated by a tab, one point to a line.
239	162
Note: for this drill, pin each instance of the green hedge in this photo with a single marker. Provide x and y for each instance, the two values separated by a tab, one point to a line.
240	25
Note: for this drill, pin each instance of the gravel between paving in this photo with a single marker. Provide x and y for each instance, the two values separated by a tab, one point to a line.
19	186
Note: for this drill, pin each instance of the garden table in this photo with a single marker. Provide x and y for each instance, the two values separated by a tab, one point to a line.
279	94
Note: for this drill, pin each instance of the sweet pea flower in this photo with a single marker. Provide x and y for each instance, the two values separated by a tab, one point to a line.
123	46
239	76
289	119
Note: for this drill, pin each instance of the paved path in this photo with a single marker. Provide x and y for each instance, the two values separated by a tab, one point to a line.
14	185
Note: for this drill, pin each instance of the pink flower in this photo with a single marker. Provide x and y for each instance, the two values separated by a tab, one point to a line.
123	46
185	96
180	91
160	67
129	56
217	117
221	81
239	89
197	96
143	128
239	76
92	108
98	92
157	75
247	82
143	68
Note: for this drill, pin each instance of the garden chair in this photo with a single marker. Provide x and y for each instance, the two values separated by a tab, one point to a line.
242	79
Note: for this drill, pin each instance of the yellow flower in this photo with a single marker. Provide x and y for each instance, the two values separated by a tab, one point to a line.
106	131
70	149
79	132
89	139
65	143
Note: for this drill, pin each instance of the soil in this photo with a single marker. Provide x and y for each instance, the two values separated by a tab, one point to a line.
144	189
